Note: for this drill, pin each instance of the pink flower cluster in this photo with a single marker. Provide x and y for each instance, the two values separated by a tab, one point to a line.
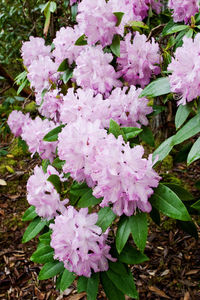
43	195
93	70
185	67
16	122
33	133
79	243
31	50
126	108
117	172
97	21
183	9
138	60
49	106
64	43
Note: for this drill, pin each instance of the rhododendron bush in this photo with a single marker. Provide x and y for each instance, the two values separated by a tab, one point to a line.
96	88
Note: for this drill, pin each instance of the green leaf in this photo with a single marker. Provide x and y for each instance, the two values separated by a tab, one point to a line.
189	227
92	286
196	205
22	86
55	180
137	24
105	217
131	132
45	164
182	114
115	46
52	135
163	150
77	190
190	32
115	129
183	152
58	164
43	255
66	280
156	88
147	136
67	75
51	269
29	214
122	279
194	153
110	289
46	237
132	256
155	216
166	201
33	229
139	229
63	66
123	232
119	16
183	194
172	28
81	41
53	6
88	200
82	284
191	128
157	109
74	9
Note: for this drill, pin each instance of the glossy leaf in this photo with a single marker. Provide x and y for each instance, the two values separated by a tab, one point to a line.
123	232
119	16
110	289
115	46
182	114
88	199
131	132
82	284
33	229
43	255
66	280
190	228
166	201
81	41
163	150
196	205
122	279
132	256
29	214
194	153
92	286
52	135
50	270
139	229
55	180
182	193
191	128
105	218
147	136
156	88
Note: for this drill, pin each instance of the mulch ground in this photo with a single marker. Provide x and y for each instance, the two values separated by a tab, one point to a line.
172	272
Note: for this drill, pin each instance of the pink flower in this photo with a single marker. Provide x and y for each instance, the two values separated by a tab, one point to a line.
49	107
79	243
185	67
97	21
43	195
65	44
42	72
77	143
16	121
33	133
183	9
34	48
126	108
94	71
138	60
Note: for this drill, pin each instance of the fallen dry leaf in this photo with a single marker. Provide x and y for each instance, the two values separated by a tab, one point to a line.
187	296
192	272
158	292
2	182
77	297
